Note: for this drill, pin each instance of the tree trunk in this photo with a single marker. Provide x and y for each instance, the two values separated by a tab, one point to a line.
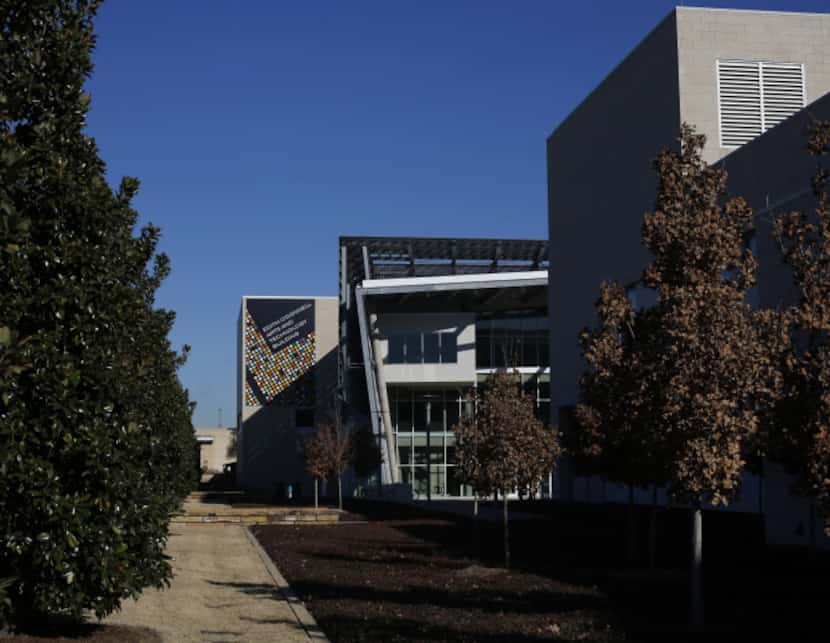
631	551
316	496
506	535
811	552
696	572
652	531
339	494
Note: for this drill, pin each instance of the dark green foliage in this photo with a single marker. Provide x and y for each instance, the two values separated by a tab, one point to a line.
96	440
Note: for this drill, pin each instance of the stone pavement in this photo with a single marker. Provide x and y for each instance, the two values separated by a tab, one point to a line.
225	589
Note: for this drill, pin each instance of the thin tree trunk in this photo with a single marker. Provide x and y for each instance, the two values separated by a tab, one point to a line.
316	496
632	527
506	535
696	572
652	531
812	547
339	494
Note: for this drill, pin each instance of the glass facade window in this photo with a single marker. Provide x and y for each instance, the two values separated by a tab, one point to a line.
423	421
432	348
511	342
414	354
449	348
423	348
396	349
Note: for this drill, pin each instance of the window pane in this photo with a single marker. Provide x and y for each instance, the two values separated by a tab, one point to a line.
420	449
396	343
406	475
452	411
404	450
436	449
484	351
544	387
436	480
436	414
453	482
449	348
304	418
451	449
404	419
413	349
421	482
420	422
530	355
500	351
432	350
544	356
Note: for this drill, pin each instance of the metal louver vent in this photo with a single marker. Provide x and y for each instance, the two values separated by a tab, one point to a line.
755	96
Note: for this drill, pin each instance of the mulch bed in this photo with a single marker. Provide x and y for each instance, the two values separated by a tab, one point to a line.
404	574
376	581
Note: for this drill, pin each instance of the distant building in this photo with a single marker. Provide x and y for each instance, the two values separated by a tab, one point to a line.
750	81
286	381
422	322
216	448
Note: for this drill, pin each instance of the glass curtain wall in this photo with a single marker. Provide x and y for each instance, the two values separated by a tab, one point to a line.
423	421
512	341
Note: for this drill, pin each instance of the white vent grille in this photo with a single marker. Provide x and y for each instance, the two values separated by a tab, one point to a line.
755	96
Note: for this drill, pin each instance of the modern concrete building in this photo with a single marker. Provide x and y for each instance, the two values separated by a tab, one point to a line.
750	81
286	382
216	448
422	322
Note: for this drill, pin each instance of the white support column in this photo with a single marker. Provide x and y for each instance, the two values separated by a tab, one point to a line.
377	393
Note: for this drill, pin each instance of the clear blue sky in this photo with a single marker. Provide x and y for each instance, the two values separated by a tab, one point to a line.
263	130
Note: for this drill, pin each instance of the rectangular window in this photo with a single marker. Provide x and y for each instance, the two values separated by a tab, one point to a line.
449	348
304	418
396	349
414	354
432	348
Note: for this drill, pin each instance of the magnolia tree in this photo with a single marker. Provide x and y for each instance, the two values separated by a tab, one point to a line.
503	446
705	363
802	442
96	440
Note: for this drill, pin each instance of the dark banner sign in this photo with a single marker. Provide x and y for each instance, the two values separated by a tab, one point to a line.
279	351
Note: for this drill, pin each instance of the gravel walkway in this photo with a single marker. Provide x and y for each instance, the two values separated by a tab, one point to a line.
224	589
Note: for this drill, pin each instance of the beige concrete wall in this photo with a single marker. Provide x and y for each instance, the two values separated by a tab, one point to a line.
600	182
271	443
463	325
214	456
706	35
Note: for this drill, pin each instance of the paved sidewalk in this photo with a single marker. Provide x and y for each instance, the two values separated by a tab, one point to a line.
222	590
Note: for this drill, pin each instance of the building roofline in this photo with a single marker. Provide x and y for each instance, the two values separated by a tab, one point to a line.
758	11
244	297
439	239
454	282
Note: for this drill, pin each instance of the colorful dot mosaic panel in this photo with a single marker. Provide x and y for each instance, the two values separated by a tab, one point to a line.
273	372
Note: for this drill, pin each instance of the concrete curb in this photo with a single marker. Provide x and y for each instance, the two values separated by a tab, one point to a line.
304	617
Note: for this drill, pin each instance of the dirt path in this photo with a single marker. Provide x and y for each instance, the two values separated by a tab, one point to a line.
222	591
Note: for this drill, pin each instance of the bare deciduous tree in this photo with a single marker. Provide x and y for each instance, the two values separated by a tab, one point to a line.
328	453
503	446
